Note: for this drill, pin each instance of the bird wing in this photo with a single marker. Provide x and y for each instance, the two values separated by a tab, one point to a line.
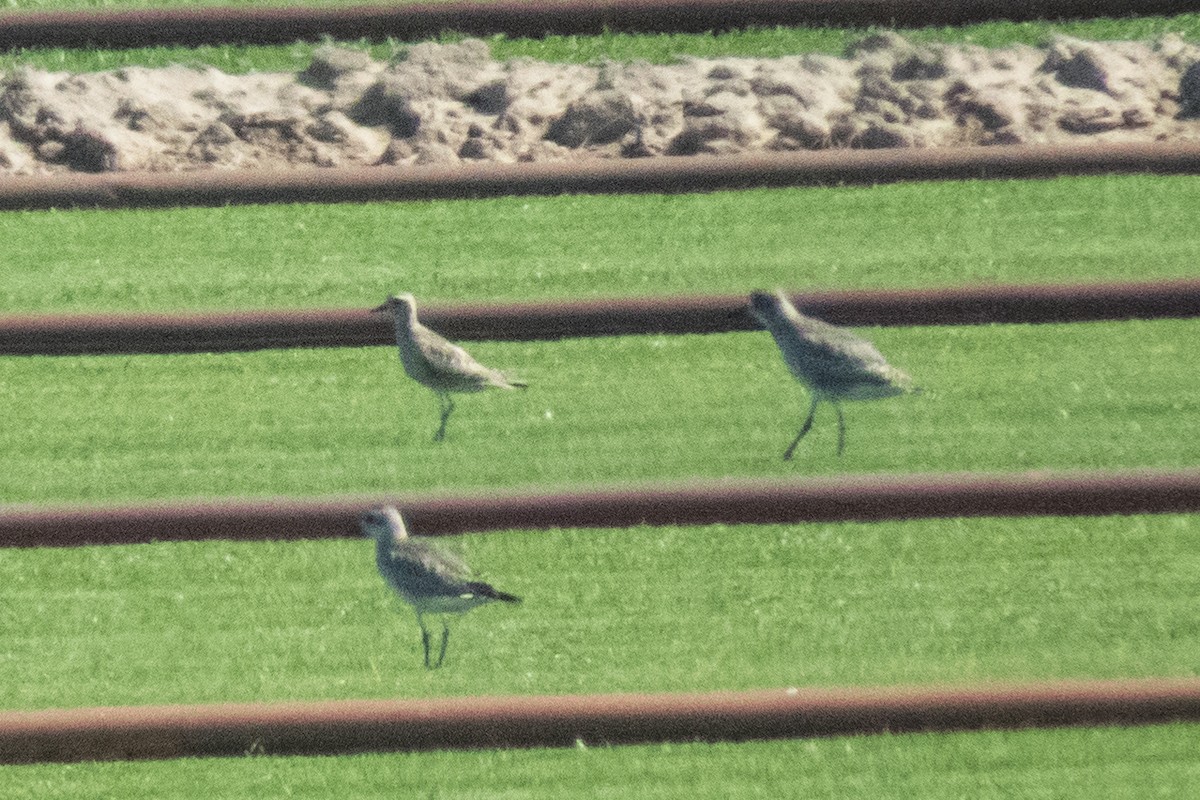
432	558
848	349
426	569
449	359
830	355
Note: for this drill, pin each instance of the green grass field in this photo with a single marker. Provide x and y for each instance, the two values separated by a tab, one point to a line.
322	421
535	248
942	601
802	605
303	422
658	48
640	609
1087	764
662	609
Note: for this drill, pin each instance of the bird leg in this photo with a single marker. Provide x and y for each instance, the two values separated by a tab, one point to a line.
445	641
424	639
841	429
812	412
447	405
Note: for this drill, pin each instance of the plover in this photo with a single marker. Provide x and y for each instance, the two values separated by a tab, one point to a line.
834	363
432	361
429	579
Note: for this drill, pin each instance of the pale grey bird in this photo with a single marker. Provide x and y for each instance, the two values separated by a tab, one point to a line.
429	579
834	363
431	360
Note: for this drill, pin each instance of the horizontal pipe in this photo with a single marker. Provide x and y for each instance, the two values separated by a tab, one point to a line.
355	726
95	334
522	18
763	501
662	174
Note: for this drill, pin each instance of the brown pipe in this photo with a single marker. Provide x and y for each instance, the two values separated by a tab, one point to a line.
232	331
355	726
521	18
855	497
663	174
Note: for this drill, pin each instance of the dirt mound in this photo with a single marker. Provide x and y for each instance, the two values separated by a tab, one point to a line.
454	103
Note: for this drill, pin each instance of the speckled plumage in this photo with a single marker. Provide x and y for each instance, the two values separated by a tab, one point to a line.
428	578
441	365
834	363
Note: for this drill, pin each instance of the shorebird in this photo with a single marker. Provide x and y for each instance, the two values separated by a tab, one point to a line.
431	360
834	363
429	579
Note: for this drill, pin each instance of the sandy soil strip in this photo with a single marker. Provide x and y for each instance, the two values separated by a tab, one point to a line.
448	104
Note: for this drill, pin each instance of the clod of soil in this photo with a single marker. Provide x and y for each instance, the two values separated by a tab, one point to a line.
454	103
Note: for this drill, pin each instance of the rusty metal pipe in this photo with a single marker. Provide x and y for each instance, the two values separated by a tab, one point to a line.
97	334
663	174
812	499
354	726
520	18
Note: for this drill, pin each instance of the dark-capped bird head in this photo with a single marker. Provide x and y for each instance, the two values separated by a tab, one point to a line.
383	524
403	306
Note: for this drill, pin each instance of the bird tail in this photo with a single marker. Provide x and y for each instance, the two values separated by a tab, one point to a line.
492	593
514	383
503	381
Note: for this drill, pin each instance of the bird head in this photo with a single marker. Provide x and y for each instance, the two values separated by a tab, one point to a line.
383	524
765	306
403	305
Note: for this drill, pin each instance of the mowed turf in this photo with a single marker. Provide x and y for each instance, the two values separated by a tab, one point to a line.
656	48
924	602
535	248
641	609
1086	764
329	421
821	604
319	421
